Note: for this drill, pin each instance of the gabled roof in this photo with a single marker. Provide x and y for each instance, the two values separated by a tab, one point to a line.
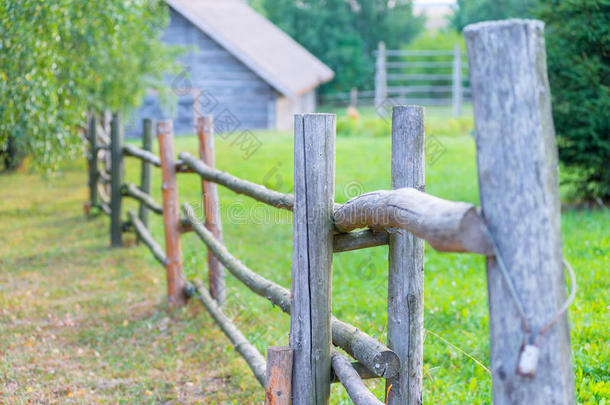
257	43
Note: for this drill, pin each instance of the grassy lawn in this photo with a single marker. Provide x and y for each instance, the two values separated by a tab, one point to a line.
82	323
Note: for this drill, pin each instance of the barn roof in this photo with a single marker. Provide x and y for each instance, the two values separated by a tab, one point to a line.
257	43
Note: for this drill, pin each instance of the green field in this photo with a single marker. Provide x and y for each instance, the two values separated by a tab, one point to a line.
82	323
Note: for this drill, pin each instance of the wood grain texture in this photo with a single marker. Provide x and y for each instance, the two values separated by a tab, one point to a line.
145	173
175	278
406	263
357	391
345	242
240	186
310	330
518	180
211	205
116	177
362	370
448	226
278	383
247	350
374	355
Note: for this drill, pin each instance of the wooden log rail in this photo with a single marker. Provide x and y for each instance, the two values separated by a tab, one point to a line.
375	356
145	236
256	191
134	151
255	360
133	191
448	226
351	380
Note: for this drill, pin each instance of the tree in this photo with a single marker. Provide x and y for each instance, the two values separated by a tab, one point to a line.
578	47
60	58
344	34
472	11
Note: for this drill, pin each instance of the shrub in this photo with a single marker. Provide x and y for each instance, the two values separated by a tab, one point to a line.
578	46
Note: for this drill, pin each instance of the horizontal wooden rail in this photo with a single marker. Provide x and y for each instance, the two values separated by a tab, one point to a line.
345	242
255	360
147	238
134	151
102	134
349	377
275	293
256	191
104	177
370	352
448	226
360	368
133	191
105	207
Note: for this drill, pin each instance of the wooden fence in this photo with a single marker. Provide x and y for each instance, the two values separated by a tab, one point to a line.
427	77
517	230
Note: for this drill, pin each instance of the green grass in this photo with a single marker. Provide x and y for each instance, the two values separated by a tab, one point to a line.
114	340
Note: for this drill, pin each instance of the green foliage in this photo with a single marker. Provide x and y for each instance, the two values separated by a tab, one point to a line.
344	34
472	11
578	47
59	58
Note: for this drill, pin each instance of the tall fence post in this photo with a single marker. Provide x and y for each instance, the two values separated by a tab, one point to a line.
406	263
213	221
116	179
457	88
145	178
517	163
171	221
314	183
278	381
93	173
381	82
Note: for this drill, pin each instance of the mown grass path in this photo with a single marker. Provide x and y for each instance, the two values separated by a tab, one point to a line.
81	323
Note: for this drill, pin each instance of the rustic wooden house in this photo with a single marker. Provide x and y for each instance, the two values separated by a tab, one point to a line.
239	67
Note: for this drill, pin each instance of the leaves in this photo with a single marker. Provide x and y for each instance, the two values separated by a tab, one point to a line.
62	57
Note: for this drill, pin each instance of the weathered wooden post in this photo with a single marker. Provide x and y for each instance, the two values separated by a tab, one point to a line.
93	174
457	88
406	263
116	179
278	382
517	163
171	221
314	183
145	170
381	82
213	221
353	97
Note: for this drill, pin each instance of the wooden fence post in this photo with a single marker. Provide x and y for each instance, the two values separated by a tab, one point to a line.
314	183
406	263
278	380
457	88
381	82
171	221
93	174
116	174
517	163
213	221
146	167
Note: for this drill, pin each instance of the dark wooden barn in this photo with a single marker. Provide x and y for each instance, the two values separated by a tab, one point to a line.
240	67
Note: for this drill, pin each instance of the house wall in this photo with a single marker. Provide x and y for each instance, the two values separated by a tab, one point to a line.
213	81
287	108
